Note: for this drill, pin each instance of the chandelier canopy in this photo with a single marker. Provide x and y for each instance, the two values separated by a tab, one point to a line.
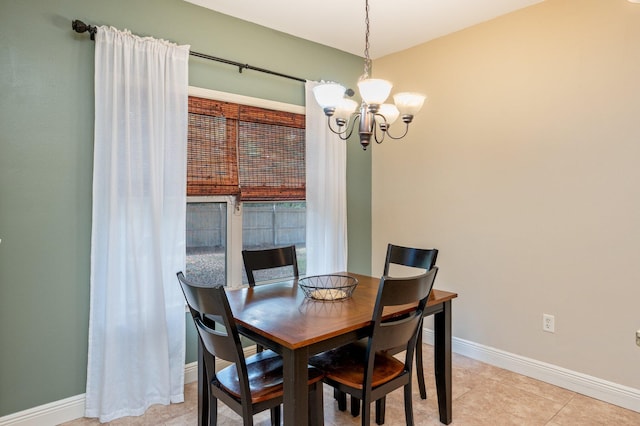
373	115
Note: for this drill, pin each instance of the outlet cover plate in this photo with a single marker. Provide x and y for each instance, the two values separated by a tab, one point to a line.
548	323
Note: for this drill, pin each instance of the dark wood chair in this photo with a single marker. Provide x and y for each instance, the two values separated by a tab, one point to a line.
366	369
257	260
416	258
260	260
249	385
423	259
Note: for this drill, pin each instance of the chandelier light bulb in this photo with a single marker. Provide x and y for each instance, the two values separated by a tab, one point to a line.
344	108
374	91
328	95
409	103
389	112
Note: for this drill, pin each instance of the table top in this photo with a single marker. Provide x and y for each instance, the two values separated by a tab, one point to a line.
281	312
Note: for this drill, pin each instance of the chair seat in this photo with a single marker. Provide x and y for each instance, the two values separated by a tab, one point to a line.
346	364
265	377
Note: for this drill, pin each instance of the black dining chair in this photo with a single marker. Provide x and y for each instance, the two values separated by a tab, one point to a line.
423	259
270	259
280	257
249	385
367	370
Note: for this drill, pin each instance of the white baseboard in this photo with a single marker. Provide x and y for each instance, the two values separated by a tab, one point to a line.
72	408
613	393
52	413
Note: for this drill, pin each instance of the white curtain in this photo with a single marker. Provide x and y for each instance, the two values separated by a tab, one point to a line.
326	157
137	317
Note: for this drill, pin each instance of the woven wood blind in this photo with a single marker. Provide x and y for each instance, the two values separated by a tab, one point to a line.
250	152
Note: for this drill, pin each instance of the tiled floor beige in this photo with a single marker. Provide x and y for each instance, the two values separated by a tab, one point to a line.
482	395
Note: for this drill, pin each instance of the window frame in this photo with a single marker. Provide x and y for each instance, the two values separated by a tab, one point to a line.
234	263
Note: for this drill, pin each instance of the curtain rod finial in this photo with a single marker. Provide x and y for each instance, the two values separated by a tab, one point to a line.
80	27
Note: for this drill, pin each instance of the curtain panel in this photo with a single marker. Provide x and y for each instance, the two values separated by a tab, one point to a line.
137	317
326	184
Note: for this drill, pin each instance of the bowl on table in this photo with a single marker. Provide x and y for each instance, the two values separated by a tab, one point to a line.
328	287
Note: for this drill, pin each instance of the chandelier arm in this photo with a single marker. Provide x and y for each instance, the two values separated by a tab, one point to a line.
406	130
348	129
376	129
337	132
352	125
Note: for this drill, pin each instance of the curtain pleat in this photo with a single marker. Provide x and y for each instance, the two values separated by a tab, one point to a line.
326	186
137	317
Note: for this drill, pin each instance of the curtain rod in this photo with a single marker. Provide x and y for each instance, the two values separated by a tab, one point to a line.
81	27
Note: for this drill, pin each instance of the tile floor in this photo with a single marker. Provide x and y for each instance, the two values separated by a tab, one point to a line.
482	395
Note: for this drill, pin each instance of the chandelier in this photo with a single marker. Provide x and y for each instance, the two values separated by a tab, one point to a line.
374	116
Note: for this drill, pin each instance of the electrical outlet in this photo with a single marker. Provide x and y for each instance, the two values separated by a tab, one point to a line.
638	337
548	323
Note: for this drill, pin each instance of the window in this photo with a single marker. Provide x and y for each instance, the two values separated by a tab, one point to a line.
207	242
245	182
275	224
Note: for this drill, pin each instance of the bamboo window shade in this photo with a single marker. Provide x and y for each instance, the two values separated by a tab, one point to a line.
253	153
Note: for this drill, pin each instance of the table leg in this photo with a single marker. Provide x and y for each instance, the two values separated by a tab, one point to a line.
442	357
296	389
203	390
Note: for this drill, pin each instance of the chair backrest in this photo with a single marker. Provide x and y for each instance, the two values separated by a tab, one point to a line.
409	256
256	260
210	309
400	331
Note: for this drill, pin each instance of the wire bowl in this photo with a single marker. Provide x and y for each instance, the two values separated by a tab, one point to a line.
328	287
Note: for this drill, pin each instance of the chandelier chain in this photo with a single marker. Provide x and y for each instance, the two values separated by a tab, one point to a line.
367	59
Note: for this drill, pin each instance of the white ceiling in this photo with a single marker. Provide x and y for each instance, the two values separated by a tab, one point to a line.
394	24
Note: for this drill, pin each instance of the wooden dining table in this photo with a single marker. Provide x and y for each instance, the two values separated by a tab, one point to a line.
279	316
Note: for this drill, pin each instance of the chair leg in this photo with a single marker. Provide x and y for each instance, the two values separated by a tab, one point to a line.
275	416
259	348
366	411
380	410
213	411
341	397
355	406
408	407
316	405
419	369
247	420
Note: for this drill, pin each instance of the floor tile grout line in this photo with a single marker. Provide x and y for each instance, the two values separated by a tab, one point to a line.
562	408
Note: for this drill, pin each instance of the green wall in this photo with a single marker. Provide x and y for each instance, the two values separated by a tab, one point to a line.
46	134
